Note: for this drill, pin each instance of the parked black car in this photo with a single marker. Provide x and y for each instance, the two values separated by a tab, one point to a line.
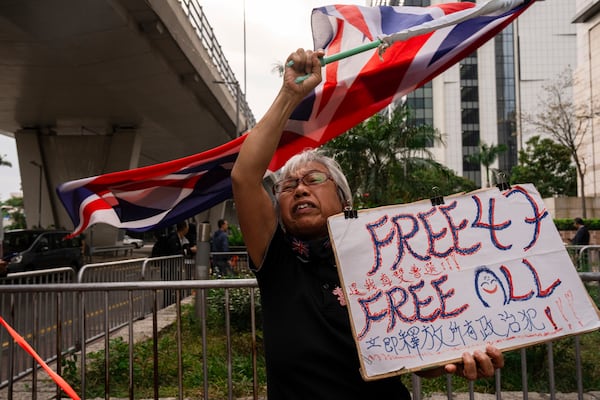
29	250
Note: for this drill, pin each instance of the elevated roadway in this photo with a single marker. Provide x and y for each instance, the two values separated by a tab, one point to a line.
95	86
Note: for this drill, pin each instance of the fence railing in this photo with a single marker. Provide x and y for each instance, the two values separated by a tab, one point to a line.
62	318
585	258
205	33
61	321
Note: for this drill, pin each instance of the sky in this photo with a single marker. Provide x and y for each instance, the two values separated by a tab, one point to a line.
10	180
274	29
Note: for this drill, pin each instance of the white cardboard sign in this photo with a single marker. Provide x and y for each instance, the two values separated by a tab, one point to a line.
425	283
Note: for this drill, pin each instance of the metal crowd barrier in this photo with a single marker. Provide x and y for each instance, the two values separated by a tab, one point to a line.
126	249
238	260
95	321
28	313
169	268
585	258
10	352
63	322
59	304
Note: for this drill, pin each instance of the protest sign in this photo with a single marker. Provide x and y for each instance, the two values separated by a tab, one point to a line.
425	283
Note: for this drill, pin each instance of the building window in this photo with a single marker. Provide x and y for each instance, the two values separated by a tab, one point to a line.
506	98
469	104
420	101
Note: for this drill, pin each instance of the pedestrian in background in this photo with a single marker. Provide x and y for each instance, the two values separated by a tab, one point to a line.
220	244
582	235
192	232
176	244
581	238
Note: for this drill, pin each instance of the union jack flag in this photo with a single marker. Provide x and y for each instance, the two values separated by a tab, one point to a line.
301	247
353	89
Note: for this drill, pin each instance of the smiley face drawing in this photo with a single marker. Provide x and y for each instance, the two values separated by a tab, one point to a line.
489	287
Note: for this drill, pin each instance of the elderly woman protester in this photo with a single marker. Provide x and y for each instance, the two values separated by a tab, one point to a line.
309	347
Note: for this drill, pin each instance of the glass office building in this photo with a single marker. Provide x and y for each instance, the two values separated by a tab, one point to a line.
482	98
586	91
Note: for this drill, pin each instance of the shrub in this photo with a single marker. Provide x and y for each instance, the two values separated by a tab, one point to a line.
235	236
239	309
566	224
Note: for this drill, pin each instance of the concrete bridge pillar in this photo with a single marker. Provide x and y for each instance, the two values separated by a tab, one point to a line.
48	157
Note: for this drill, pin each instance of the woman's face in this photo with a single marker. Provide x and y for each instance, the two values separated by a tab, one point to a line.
305	208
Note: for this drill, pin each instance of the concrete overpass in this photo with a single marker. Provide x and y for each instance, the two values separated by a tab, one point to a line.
95	86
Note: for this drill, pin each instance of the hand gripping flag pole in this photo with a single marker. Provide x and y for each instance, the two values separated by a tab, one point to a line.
492	7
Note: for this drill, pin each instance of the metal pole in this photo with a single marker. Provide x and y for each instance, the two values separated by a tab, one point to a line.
237	102
245	88
2	208
39	194
237	109
203	250
40	200
202	263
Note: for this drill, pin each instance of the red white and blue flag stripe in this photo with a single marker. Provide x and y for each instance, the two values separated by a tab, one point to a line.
353	89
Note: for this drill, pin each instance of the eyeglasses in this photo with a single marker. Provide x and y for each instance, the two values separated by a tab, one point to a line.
311	178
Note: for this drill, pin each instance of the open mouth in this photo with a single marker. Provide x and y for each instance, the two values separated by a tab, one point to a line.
303	206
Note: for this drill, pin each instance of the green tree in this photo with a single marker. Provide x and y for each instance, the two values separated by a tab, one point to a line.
388	161
548	165
486	156
438	179
14	208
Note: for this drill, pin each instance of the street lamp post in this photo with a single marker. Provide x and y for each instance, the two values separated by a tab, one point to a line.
237	109
39	193
2	208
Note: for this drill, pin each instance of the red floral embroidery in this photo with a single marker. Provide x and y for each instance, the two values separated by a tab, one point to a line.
340	295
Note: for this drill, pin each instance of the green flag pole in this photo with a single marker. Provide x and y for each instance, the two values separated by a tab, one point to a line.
336	57
350	52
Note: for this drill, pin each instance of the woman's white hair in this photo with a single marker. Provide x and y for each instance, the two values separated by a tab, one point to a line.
299	160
